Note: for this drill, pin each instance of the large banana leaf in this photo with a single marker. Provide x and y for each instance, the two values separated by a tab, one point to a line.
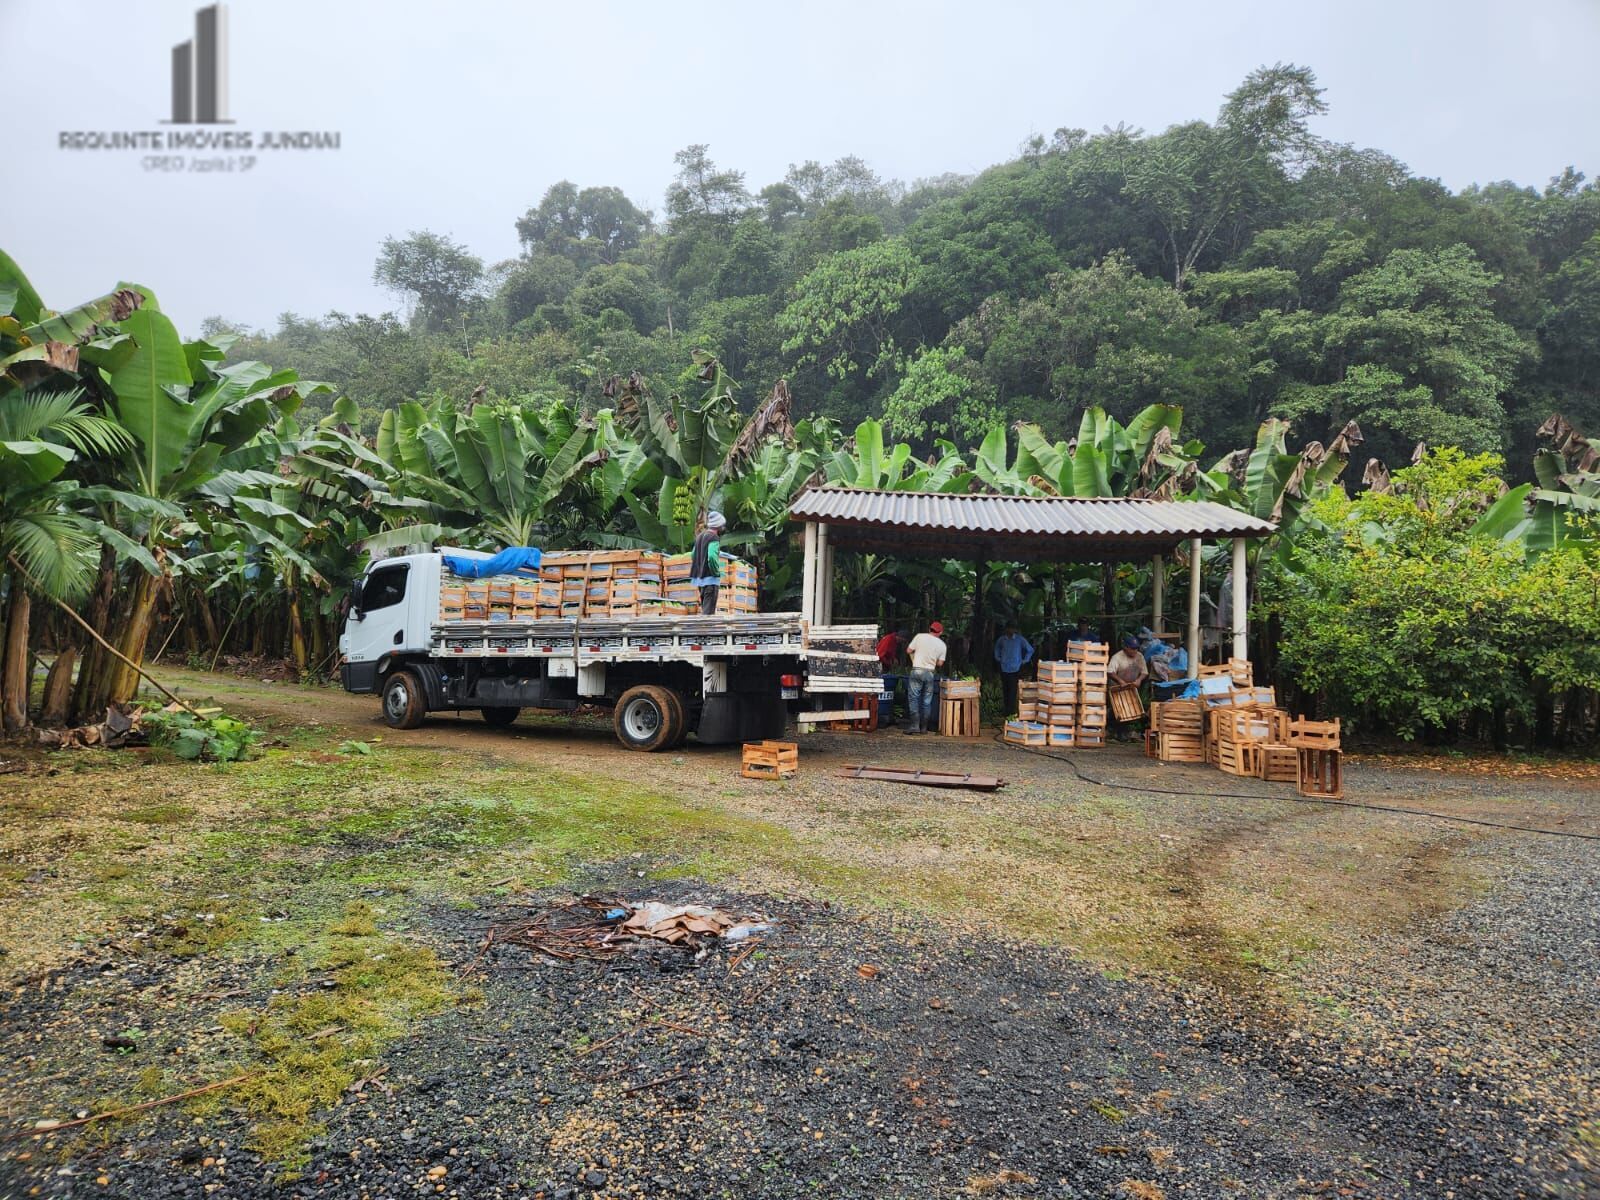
147	409
25	304
32	462
1506	520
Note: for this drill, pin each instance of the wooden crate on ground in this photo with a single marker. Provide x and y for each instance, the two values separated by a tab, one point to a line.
1319	767
1179	747
1026	733
959	717
1089	737
1280	763
770	760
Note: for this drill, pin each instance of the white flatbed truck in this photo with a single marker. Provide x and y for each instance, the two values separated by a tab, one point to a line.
726	678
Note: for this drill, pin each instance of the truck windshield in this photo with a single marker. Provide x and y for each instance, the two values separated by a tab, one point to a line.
384	588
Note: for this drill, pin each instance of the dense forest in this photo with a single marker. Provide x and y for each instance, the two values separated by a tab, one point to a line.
1240	267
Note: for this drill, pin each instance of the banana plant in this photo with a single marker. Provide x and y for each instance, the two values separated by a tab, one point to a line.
497	470
1108	458
865	462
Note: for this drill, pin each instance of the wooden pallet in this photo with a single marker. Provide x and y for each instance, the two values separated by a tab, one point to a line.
770	760
959	717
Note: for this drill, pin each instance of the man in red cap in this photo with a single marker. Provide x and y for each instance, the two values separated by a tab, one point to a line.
926	652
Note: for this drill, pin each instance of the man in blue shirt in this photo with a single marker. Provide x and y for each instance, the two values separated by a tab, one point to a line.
1013	652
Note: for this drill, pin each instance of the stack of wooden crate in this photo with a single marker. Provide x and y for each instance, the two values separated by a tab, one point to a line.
958	708
595	583
1065	707
1319	769
1243	734
1177	728
1092	713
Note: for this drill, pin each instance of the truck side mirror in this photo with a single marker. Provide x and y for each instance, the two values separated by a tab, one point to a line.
352	602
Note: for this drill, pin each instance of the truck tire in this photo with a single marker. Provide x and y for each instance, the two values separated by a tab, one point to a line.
500	717
680	719
404	704
643	718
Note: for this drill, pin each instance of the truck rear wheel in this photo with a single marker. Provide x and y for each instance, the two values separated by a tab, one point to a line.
500	717
404	705
680	719
647	718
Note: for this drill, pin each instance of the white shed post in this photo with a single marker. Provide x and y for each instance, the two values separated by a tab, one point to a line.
827	584
1194	608
808	575
1241	602
1158	594
819	596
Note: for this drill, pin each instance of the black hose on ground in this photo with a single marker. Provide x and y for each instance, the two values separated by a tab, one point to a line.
1388	808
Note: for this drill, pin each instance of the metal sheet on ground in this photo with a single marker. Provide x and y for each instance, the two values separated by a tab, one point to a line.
915	775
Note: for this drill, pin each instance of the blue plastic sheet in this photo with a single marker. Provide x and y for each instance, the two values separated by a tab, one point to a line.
507	562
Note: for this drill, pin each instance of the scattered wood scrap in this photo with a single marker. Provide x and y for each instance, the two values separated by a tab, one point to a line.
922	778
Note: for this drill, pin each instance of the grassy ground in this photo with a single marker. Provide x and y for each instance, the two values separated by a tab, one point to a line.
291	888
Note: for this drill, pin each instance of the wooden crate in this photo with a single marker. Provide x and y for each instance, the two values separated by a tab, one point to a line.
1179	747
1027	710
1085	737
1091	675
1091	716
1239	758
1280	763
1088	652
770	760
959	717
1026	733
1058	673
1319	772
1187	717
958	689
1240	670
1126	704
1314	735
1027	690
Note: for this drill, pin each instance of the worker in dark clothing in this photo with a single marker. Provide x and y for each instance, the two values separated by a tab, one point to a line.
1012	652
705	566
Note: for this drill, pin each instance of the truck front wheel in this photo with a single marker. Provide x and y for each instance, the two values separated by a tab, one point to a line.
403	703
647	718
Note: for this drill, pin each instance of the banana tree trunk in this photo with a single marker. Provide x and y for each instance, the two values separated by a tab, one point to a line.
122	681
88	700
14	661
58	688
297	632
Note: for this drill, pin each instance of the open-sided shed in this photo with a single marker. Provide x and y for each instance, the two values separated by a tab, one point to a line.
1022	529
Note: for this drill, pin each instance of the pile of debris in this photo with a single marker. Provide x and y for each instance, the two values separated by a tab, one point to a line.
123	724
596	930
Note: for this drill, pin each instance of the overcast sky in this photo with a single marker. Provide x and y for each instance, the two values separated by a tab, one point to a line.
456	117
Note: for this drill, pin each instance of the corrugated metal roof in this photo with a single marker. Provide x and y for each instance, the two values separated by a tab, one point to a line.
1115	519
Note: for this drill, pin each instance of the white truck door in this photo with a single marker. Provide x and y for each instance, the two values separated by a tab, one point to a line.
378	625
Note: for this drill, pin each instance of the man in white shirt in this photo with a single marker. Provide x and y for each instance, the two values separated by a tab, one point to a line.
927	653
1127	668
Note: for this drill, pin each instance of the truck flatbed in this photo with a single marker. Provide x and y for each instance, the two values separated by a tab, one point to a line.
616	639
